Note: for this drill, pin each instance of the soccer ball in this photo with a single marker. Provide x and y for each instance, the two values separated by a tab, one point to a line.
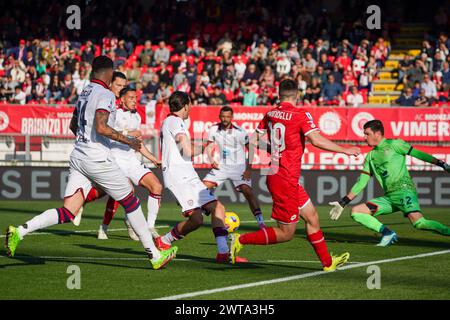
232	221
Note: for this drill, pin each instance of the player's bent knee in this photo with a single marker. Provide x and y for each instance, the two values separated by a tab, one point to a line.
196	218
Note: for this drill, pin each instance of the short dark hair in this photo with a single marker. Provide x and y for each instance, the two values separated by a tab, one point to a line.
126	89
118	74
226	109
375	126
178	100
288	89
101	63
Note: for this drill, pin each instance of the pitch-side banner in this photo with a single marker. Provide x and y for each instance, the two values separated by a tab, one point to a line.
410	124
43	183
35	120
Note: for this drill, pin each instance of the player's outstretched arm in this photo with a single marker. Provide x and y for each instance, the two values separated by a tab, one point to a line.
338	206
186	146
429	158
323	143
102	128
150	156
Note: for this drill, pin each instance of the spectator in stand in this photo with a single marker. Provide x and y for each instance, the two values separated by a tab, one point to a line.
325	63
134	74
283	65
309	63
313	92
343	61
82	82
403	67
430	88
19	97
427	48
121	52
380	52
331	91
163	94
268	76
354	99
416	90
88	53
406	99
359	64
162	54
293	53
416	73
319	48
446	77
302	85
349	80
337	74
18	72
321	75
178	78
217	97
146	55
29	60
249	97
163	73
422	100
68	90
54	89
251	73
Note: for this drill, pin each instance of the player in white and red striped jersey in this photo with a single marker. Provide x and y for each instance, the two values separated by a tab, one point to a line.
91	162
233	164
183	181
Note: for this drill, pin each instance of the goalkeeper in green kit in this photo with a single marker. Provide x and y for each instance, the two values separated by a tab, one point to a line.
387	162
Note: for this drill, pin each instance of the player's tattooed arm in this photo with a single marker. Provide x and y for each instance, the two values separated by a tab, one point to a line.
186	146
74	122
102	127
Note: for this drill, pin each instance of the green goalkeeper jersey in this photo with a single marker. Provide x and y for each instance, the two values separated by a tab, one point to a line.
387	162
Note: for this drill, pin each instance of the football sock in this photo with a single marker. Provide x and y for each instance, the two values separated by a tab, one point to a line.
110	210
261	237
46	219
258	216
153	204
424	224
368	221
385	230
172	236
317	241
221	239
137	221
92	195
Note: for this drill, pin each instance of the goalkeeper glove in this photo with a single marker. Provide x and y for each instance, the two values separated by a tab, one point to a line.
338	207
443	165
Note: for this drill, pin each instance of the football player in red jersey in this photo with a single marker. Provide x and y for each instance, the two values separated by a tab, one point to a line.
287	126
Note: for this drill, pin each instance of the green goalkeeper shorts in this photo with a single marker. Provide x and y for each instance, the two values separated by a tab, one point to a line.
404	201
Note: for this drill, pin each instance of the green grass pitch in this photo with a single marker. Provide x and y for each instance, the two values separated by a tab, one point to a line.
118	269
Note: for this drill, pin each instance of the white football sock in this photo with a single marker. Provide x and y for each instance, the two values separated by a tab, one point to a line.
44	220
153	208
139	225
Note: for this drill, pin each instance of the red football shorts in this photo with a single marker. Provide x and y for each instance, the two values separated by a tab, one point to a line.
287	199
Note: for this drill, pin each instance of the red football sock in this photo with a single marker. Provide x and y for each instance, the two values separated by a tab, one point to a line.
261	237
92	195
110	211
317	240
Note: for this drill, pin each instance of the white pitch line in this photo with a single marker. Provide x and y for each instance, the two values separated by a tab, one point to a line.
75	231
297	277
144	259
